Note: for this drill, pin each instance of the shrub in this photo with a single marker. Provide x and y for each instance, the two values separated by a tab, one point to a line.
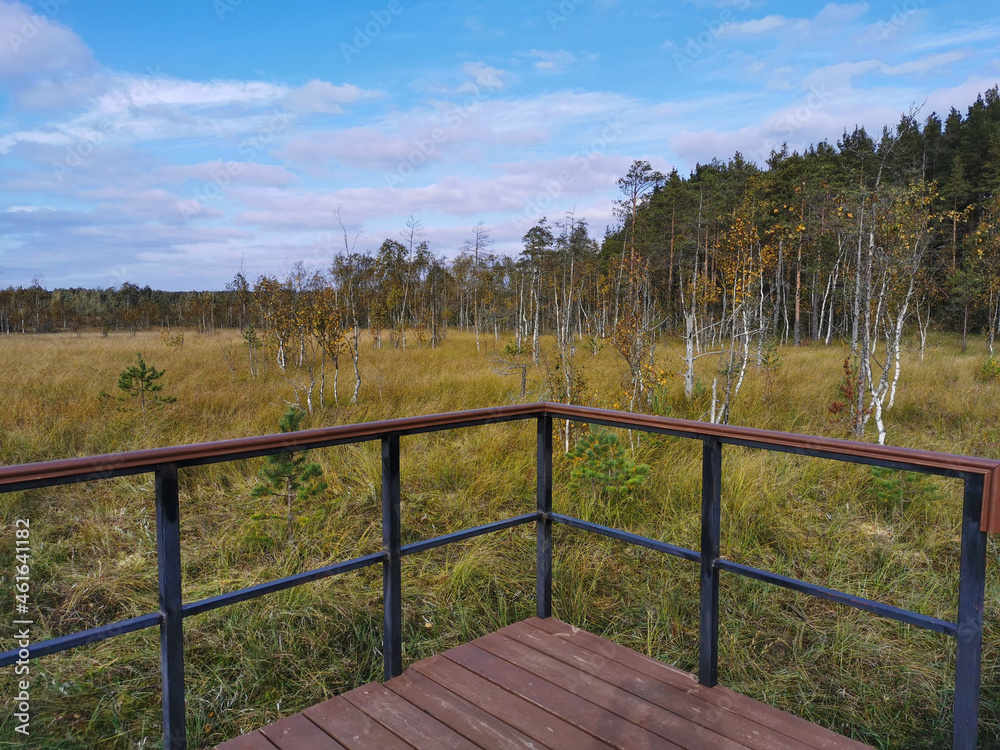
990	369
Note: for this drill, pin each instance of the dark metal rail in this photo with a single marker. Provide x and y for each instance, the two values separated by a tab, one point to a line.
981	514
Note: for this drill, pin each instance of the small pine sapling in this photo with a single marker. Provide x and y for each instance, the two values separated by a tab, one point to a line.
252	343
770	362
138	382
602	471
896	491
290	475
513	360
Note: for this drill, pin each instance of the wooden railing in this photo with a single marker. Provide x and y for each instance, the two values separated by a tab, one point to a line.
980	515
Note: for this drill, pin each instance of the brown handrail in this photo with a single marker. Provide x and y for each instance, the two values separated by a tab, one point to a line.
946	463
64	471
135	462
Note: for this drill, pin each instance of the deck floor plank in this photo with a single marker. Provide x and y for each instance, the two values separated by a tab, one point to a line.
590	717
252	741
609	695
473	723
535	722
353	728
407	721
709	717
811	735
298	733
542	685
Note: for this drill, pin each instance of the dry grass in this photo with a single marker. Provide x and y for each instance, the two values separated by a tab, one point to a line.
890	537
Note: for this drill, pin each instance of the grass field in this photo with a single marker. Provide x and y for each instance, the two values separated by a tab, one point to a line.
885	535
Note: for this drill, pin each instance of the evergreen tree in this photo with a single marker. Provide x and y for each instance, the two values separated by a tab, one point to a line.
291	476
139	382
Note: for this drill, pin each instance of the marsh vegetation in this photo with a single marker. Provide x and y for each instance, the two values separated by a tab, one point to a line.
887	535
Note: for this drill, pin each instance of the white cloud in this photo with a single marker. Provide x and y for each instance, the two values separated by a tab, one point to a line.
132	108
33	45
61	93
322	97
840	13
923	65
513	187
475	25
757	26
840	76
229	172
483	77
475	77
553	62
43	64
822	113
959	95
830	19
557	110
963	36
460	135
363	147
176	92
32	136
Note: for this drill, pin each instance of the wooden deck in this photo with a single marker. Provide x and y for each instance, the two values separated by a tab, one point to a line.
541	684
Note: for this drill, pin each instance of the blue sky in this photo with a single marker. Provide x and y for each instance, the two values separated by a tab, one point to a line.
169	143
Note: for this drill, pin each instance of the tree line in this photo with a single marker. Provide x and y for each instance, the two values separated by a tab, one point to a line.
869	240
127	308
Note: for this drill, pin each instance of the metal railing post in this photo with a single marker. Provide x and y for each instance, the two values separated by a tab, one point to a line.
711	519
392	573
543	527
168	556
971	594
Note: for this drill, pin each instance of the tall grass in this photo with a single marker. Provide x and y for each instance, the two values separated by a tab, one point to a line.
885	535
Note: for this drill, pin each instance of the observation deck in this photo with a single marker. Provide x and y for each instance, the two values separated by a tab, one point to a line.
542	682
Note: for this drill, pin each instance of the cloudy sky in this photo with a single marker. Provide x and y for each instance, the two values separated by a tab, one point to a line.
166	143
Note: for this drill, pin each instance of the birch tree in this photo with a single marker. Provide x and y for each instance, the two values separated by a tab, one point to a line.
905	229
